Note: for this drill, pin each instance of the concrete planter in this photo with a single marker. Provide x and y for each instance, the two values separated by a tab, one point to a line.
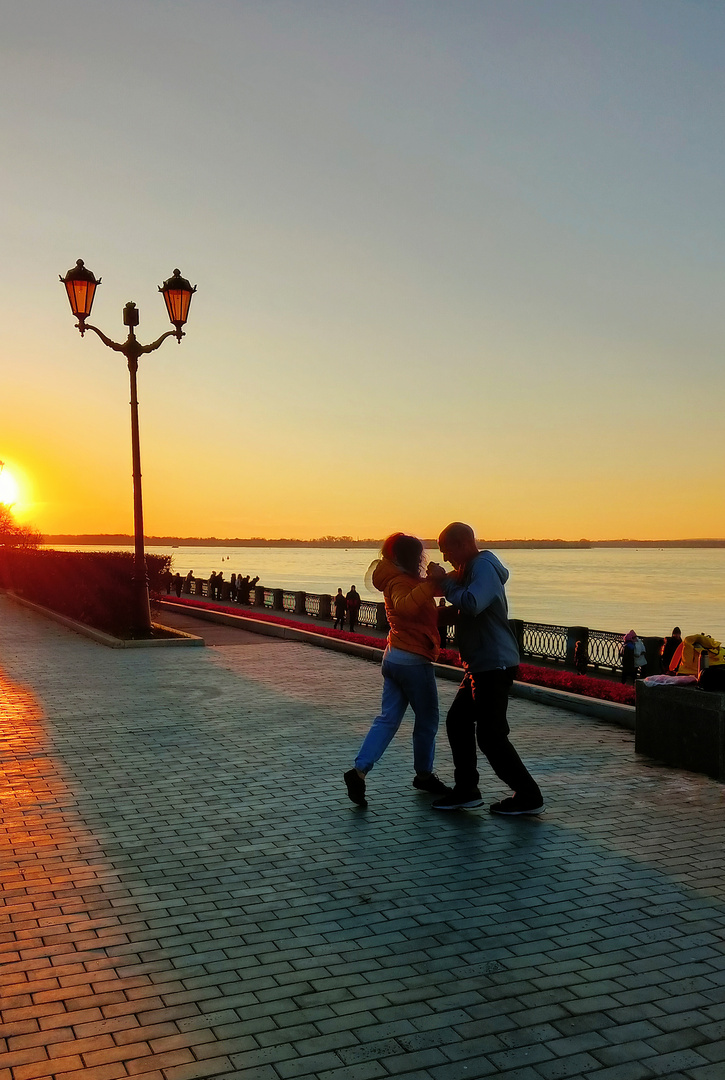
682	726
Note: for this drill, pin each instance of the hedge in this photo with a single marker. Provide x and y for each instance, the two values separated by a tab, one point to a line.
92	587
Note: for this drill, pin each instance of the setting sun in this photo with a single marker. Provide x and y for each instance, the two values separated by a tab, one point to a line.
9	488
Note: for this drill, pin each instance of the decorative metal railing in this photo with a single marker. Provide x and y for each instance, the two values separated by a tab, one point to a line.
545	641
537	641
312	604
368	615
605	649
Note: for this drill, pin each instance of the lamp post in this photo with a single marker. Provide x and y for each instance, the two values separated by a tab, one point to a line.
81	286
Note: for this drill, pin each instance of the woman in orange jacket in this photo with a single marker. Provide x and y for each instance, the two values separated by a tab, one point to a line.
408	676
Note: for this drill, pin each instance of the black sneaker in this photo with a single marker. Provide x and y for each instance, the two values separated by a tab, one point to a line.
431	783
355	787
459	800
517	805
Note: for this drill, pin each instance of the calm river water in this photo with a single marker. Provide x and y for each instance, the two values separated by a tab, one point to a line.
646	589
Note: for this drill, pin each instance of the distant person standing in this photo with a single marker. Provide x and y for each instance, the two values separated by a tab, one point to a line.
581	656
442	624
490	657
353	607
340	608
670	647
634	657
177	584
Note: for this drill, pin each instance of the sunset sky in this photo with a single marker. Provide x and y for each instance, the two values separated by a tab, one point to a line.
455	259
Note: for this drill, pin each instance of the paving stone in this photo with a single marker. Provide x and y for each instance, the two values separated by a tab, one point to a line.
574	1065
714	1051
706	1072
630	1070
468	1068
307	1066
634	1050
364	1070
575	1044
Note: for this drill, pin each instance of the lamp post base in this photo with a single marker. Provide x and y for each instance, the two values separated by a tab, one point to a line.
141	607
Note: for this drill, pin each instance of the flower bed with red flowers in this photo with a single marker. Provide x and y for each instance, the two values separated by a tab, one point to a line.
528	673
577	684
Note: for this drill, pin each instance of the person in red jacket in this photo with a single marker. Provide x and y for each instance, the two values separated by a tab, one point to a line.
352	601
408	676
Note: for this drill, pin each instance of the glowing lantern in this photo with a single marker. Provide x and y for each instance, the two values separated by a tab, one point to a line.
177	294
80	284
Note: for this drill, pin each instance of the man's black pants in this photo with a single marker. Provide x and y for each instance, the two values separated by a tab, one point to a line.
478	714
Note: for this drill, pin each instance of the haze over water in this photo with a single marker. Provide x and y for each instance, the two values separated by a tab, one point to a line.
646	589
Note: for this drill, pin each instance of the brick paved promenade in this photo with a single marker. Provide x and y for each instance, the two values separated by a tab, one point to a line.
187	891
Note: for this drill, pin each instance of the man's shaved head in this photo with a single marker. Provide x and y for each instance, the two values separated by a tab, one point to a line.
458	544
458	533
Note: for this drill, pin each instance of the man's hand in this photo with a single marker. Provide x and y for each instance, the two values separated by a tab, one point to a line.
435	572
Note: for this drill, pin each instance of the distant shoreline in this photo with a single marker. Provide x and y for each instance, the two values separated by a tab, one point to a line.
125	540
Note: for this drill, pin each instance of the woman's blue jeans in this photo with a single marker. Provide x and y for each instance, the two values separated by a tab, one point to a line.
403	685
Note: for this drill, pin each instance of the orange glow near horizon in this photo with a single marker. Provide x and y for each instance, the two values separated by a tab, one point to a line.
186	495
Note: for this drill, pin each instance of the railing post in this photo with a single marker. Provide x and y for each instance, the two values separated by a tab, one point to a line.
226	589
653	648
198	587
381	619
277	599
573	635
300	598
325	606
517	628
258	591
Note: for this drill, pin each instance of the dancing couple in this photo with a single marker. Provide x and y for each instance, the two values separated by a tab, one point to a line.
476	590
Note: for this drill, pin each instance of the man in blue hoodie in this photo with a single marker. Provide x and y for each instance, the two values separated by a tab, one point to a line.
490	657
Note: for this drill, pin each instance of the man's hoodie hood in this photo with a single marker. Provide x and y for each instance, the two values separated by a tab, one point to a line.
497	565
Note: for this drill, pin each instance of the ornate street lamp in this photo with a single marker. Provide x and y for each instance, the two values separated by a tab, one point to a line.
81	286
177	296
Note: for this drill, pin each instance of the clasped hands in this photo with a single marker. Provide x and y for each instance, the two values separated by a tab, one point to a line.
436	573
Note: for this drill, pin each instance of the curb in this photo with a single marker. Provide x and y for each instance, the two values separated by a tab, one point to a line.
609	711
182	641
269	629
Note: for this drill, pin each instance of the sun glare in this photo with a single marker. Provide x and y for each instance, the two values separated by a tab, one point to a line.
9	488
